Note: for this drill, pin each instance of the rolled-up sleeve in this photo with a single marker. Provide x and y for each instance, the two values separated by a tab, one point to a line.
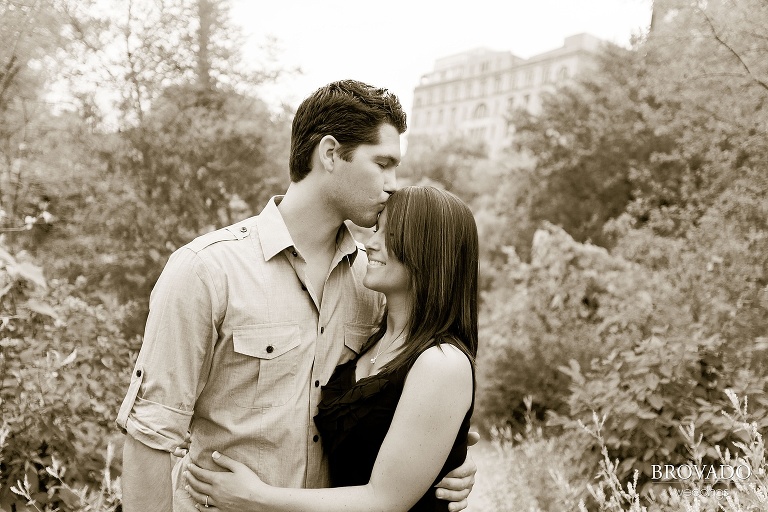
175	356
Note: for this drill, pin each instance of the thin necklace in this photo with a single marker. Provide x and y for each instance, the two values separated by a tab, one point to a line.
378	349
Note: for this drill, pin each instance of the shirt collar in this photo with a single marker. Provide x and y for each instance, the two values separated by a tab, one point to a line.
275	238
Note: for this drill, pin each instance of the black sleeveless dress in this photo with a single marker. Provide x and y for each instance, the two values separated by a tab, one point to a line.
353	419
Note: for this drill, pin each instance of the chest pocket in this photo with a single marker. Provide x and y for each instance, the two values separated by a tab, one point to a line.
263	373
355	336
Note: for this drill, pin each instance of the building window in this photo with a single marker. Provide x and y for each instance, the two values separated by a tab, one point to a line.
512	80
417	103
497	85
429	118
529	77
480	111
562	74
484	66
545	75
453	115
477	134
440	116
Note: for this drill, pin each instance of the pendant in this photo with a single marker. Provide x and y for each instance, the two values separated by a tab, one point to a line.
373	360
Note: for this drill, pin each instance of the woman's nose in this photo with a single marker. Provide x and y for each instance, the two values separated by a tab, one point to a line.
373	243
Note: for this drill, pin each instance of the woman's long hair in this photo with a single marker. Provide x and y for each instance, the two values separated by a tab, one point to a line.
433	233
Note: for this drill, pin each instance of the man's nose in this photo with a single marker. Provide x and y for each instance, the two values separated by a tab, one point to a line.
390	181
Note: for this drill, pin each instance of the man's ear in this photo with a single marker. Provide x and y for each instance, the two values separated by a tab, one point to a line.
326	150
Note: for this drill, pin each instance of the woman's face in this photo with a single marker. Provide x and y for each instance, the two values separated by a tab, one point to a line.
385	274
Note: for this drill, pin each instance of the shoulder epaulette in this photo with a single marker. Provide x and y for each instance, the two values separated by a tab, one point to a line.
214	237
234	232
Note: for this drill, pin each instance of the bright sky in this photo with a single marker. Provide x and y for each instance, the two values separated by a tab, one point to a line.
392	43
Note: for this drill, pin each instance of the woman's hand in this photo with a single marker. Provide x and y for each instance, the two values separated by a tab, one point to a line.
233	490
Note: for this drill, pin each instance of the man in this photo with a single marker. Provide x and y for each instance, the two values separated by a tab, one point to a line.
248	322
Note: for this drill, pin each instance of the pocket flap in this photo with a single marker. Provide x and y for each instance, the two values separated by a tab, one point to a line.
265	341
355	335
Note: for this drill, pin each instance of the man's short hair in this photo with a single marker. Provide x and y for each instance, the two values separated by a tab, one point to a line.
350	111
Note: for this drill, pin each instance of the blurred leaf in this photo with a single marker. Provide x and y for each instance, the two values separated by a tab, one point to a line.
30	272
656	401
6	257
41	308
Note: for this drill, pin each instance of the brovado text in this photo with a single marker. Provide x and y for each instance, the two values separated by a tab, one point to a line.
669	472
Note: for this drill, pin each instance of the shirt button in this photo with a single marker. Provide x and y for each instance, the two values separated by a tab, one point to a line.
243	229
317	383
322	330
303	287
316	438
295	254
138	373
270	349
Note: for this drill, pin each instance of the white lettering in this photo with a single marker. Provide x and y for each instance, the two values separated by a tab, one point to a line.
748	474
680	472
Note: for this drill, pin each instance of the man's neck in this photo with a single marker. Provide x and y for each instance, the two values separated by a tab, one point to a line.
312	226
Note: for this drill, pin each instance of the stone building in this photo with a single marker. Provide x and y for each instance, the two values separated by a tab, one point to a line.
471	93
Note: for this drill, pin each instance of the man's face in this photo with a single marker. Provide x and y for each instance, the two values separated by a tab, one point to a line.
364	184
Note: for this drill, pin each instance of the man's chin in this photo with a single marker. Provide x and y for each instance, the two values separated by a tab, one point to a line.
365	223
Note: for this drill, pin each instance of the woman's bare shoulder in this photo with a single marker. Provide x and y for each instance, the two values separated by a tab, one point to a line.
443	360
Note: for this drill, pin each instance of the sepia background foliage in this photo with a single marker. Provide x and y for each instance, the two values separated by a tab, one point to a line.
624	233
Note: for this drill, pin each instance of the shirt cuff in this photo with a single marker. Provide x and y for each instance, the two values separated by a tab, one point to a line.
152	424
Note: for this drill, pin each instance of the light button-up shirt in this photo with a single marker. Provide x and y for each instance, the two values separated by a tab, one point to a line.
236	350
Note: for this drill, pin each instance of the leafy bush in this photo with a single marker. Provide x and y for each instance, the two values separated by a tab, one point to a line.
744	494
572	302
60	363
583	331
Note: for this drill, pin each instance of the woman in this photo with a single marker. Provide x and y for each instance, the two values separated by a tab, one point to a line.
393	421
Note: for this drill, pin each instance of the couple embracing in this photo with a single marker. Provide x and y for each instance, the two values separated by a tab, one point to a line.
313	373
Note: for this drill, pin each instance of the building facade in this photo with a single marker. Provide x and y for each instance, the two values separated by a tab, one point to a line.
471	93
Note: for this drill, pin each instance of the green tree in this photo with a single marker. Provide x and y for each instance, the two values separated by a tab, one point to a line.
196	149
455	163
679	122
32	34
585	144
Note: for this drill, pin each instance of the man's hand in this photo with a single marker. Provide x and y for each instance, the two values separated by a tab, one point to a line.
182	450
457	484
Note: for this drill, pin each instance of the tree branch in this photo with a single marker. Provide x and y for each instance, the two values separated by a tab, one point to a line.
733	52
